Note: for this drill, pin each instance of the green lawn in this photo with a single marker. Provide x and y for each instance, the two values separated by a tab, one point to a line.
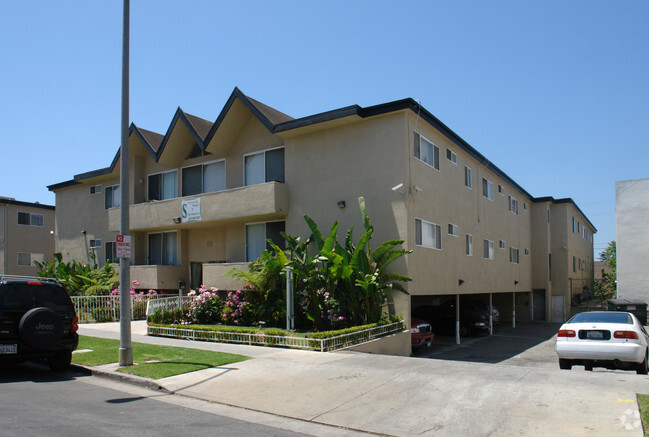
643	406
151	361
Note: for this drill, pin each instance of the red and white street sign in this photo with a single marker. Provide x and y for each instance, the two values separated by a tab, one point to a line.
123	246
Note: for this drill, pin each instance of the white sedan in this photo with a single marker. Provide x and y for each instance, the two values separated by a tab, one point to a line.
610	339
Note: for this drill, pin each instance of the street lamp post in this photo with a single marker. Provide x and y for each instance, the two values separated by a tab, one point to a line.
125	348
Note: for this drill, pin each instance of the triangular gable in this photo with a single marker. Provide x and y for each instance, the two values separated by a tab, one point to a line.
197	127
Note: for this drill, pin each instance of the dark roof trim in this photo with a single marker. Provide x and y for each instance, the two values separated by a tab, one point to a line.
566	200
180	115
29	204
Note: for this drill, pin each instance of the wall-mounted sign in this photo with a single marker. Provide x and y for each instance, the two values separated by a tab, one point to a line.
191	210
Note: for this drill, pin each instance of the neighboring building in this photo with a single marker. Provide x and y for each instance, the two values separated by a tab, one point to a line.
632	239
599	266
255	172
26	235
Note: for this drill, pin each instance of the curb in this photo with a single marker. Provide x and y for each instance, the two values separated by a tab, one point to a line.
121	377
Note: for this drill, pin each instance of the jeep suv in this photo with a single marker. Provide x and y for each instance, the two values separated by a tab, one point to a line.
37	321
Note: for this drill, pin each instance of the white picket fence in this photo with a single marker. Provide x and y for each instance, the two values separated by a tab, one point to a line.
107	309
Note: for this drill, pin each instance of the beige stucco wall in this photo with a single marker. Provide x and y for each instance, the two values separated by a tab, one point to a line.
15	238
395	344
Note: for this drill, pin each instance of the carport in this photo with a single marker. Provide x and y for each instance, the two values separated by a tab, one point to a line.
511	307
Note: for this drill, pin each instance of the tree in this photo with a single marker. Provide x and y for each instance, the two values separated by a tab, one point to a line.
608	284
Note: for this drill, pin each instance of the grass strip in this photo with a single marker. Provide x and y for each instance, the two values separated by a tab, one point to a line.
151	361
643	406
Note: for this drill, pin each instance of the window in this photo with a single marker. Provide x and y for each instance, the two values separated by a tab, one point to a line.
426	151
501	190
513	255
527	251
266	166
111	197
525	206
163	249
163	186
469	245
451	156
574	264
453	230
428	234
257	236
29	219
487	189
203	178
24	259
578	227
94	244
488	249
27	259
573	225
502	244
111	252
513	205
95	189
467	177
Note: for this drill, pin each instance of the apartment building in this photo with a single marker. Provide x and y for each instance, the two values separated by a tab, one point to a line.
632	239
26	235
204	197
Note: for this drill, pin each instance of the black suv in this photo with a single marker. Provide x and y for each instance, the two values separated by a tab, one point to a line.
37	321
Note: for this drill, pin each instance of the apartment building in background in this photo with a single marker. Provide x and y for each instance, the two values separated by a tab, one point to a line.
26	235
632	239
205	197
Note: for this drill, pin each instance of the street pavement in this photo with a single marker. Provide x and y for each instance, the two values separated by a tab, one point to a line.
467	392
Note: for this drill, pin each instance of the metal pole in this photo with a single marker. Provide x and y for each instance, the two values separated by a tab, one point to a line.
290	320
491	314
514	310
125	348
457	319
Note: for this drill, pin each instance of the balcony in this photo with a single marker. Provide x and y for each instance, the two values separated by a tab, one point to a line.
159	277
263	201
213	275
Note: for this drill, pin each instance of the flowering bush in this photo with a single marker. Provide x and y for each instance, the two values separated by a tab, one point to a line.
237	310
206	307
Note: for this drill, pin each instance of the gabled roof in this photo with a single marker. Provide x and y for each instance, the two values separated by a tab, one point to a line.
197	126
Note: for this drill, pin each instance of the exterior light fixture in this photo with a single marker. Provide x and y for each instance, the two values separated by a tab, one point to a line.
460	282
176	220
341	204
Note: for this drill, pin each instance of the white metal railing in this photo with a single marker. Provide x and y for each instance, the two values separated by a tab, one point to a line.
107	308
168	303
259	339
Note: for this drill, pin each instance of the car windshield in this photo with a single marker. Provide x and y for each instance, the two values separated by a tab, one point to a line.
22	296
610	317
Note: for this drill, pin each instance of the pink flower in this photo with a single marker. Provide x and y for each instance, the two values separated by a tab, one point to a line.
136	283
341	318
236	322
326	295
132	291
238	291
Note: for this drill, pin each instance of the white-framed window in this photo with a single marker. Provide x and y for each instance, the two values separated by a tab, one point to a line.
258	234
451	156
487	249
111	197
162	186
524	206
30	219
513	255
203	178
426	151
513	205
467	177
265	166
453	230
573	225
163	249
94	244
487	189
27	259
95	189
469	245
111	252
501	189
501	244
428	234
578	227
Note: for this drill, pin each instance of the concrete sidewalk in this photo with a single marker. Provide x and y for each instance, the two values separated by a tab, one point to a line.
404	396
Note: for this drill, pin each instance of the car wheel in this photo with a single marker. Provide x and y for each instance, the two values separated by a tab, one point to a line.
643	367
60	361
588	367
40	328
565	364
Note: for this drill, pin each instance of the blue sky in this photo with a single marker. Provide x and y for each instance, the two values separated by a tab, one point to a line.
554	93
